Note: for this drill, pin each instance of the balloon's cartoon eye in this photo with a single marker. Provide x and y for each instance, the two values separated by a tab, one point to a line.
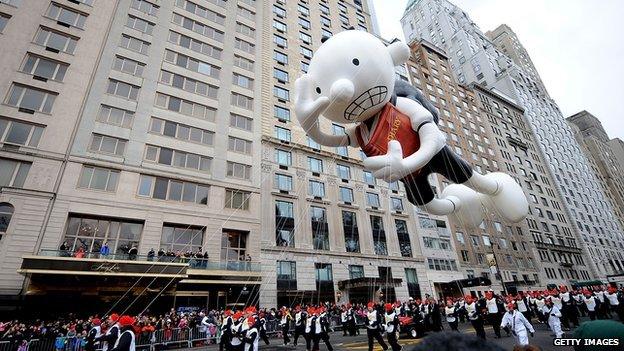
318	90
356	61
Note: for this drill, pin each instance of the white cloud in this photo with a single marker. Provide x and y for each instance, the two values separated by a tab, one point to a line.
576	45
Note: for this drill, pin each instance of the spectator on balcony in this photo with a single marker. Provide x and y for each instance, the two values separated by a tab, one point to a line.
132	252
104	250
161	253
80	253
150	254
64	250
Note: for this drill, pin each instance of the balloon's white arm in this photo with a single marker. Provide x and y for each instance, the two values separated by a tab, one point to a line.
431	138
313	129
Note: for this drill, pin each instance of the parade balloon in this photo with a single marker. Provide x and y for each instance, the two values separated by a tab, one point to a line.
351	81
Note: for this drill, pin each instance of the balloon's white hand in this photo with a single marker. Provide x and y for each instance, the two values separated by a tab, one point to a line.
389	167
307	108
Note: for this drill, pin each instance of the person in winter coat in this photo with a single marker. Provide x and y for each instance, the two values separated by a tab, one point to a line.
392	324
93	336
126	339
373	327
108	339
553	314
518	324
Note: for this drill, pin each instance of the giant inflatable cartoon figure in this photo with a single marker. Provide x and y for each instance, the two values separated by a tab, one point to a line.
351	81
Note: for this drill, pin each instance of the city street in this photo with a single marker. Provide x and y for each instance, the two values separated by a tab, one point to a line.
542	338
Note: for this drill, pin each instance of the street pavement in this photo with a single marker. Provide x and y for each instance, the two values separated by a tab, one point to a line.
543	338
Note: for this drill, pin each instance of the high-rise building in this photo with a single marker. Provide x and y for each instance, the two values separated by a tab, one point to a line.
475	58
602	152
148	155
330	231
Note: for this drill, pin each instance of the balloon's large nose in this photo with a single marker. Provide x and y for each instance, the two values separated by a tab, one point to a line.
342	90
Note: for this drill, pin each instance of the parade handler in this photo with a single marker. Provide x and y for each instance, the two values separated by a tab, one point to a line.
518	324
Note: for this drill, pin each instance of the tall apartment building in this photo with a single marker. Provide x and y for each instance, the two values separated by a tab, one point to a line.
468	129
139	121
330	231
475	58
601	151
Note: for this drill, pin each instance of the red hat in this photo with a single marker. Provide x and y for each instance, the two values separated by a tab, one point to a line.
251	320
114	317
418	301
468	298
488	294
511	306
388	307
310	310
238	314
611	289
320	310
228	313
125	321
96	321
371	305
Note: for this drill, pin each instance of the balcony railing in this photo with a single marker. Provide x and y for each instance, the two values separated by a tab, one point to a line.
192	262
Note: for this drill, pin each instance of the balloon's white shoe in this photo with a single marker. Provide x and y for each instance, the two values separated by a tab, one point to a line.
468	208
509	201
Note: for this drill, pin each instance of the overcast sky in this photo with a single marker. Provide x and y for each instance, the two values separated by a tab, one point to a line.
577	47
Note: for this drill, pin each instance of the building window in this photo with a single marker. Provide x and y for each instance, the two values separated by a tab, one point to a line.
195	45
43	67
145	7
181	238
134	44
31	99
368	178
13	173
397	204
129	66
281	76
323	273
122	89
346	195
281	113
245	30
56	41
442	264
4	19
284	224
97	178
187	84
198	27
177	158
185	107
351	232
320	228
241	122
281	93
280	57
243	63
233	245
242	81
379	236
107	145
19	133
139	24
173	190
238	170
280	26
282	134
372	200
344	172
316	189
242	101
413	288
283	157
306	38
66	16
404	240
181	131
315	165
6	212
280	41
201	11
286	273
191	64
90	233
237	199
239	145
283	182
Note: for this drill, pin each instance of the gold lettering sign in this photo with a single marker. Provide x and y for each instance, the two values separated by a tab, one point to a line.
105	267
396	123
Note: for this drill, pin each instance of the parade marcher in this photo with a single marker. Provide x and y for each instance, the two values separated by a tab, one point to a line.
310	326
300	324
343	320
261	326
107	341
553	314
322	329
591	304
373	327
226	330
603	307
285	324
251	335
518	325
126	339
93	337
391	322
236	337
436	316
522	306
493	313
569	311
540	302
474	315
578	298
450	311
351	322
613	297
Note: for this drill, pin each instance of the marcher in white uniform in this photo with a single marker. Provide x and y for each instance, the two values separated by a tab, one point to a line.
518	324
590	302
554	314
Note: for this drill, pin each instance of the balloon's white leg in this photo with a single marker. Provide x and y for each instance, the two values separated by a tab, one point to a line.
442	207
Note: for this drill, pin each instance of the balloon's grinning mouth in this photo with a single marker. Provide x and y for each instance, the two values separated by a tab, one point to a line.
368	99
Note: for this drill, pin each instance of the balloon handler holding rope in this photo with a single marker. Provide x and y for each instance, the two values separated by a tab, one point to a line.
351	81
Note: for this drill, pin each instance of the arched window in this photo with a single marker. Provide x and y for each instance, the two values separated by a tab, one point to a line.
6	212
